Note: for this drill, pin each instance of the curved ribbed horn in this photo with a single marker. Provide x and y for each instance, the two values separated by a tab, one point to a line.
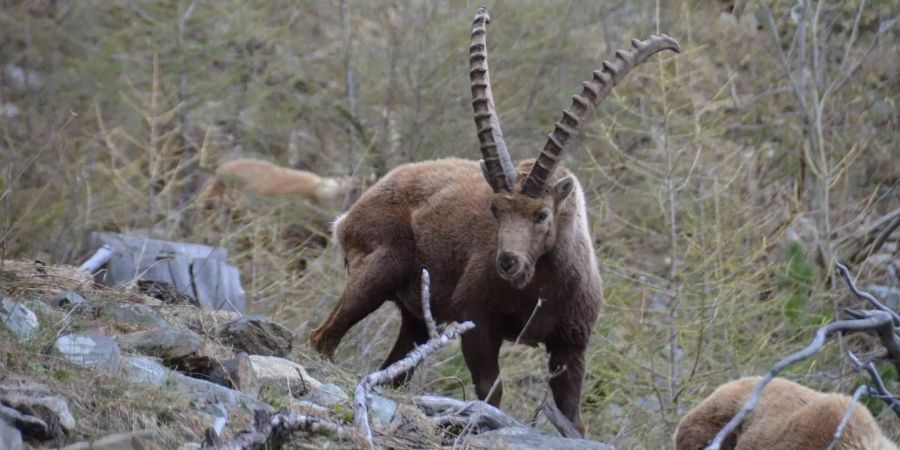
584	105
500	171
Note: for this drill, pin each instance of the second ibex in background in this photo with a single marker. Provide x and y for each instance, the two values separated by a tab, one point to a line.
495	239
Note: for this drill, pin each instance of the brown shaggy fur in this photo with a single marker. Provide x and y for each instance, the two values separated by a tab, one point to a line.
438	215
788	416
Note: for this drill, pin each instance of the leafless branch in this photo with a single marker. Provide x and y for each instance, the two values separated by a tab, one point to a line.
876	319
408	363
445	410
268	429
426	305
863	295
892	400
862	389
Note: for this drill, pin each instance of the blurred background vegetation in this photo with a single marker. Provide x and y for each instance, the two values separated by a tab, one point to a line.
722	182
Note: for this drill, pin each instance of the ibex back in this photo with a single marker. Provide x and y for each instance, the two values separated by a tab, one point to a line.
493	248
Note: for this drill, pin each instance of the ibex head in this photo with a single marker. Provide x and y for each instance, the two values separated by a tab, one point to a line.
527	210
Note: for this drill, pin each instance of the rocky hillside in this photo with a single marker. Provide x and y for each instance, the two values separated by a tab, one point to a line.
84	366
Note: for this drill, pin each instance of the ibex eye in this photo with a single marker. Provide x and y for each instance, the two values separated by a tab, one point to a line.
541	216
494	210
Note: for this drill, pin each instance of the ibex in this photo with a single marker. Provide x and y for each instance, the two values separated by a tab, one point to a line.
493	249
788	416
264	178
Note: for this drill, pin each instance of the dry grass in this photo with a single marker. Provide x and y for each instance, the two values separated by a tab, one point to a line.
700	172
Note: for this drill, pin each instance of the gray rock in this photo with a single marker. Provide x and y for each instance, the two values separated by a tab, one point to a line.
10	437
214	393
383	412
185	350
68	300
35	411
90	350
145	370
257	335
18	319
219	416
273	371
133	313
135	440
518	438
327	395
237	373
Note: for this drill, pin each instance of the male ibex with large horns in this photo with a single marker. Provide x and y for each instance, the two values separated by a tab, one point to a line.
492	248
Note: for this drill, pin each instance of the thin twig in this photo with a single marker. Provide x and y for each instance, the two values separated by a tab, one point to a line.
862	389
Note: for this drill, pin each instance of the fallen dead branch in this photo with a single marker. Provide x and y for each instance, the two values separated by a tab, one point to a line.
272	430
448	411
401	367
98	259
881	321
559	420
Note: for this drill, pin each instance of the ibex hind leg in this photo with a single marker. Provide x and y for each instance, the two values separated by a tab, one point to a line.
371	279
412	332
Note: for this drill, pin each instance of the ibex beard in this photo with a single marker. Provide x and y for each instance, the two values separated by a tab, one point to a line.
495	239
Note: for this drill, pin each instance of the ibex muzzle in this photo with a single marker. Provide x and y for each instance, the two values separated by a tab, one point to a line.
493	249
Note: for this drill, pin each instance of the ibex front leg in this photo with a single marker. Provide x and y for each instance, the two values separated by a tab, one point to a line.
567	376
371	279
481	350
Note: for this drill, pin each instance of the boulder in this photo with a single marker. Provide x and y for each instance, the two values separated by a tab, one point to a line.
135	440
68	300
257	335
237	373
36	411
213	393
327	395
145	370
10	436
90	350
185	350
272	371
18	318
383	412
520	438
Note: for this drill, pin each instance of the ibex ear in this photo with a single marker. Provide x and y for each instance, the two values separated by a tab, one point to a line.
484	171
563	188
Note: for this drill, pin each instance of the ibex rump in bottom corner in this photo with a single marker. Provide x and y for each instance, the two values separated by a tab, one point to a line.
492	248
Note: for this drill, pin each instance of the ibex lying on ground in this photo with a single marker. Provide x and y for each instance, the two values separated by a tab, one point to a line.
789	416
492	248
264	178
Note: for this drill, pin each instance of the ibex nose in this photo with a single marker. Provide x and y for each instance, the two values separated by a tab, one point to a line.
506	262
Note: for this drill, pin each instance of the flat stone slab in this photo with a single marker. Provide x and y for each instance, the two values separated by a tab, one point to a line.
136	440
145	370
90	350
518	438
18	318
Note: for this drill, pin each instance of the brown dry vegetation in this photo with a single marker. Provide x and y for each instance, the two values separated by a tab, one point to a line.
718	191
